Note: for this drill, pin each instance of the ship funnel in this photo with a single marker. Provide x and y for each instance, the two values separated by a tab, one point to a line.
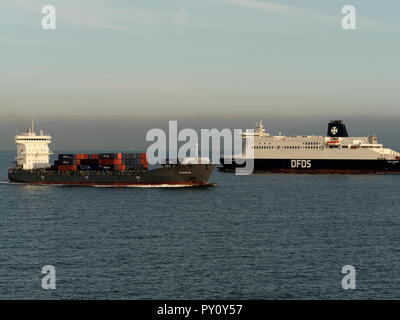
337	128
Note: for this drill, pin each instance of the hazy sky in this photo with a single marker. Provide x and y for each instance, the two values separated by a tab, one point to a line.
190	55
125	132
141	59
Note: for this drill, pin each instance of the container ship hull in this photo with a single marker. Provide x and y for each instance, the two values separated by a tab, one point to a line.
180	175
99	169
344	166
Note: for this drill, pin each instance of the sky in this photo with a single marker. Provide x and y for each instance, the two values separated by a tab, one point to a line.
134	61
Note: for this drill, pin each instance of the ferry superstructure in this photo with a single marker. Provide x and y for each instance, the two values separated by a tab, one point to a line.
336	152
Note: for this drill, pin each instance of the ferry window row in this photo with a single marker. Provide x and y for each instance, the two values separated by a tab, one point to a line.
286	147
264	147
28	139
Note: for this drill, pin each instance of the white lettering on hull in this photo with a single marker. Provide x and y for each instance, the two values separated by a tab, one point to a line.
303	164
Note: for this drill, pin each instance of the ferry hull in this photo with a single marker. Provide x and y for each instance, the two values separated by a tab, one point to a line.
338	166
169	176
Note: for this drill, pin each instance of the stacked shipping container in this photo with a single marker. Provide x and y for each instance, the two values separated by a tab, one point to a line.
101	161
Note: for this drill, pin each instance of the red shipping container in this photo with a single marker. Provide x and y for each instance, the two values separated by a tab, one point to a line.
67	168
110	161
120	167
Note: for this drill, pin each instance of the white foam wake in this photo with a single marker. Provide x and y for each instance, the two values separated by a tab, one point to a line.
162	185
146	186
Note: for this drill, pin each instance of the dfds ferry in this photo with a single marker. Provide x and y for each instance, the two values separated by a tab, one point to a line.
334	153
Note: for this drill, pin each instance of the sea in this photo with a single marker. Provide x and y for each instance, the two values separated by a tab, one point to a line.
263	236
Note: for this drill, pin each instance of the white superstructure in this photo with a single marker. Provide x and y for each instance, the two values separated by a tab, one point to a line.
267	146
33	149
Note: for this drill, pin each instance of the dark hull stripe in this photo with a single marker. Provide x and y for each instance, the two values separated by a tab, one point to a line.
321	166
335	171
173	176
116	184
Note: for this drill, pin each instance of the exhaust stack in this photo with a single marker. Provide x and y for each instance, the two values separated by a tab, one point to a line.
337	128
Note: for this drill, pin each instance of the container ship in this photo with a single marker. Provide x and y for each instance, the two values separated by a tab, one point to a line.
100	169
334	153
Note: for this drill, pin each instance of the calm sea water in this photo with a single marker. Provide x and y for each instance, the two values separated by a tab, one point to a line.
265	236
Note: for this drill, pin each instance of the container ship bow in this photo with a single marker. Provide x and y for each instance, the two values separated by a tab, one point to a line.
101	169
334	153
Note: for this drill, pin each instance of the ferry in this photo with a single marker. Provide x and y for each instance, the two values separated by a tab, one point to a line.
337	152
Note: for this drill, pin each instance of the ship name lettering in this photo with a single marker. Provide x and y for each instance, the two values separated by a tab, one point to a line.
304	164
